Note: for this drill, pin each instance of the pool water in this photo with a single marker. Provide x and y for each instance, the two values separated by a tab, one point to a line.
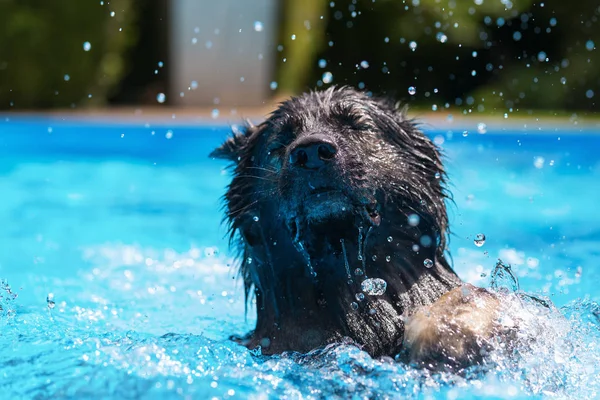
117	281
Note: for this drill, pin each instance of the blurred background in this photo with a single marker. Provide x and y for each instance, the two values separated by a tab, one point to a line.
477	56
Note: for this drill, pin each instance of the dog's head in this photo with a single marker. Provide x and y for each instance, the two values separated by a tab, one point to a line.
331	166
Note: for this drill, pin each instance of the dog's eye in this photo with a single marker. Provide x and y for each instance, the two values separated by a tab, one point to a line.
354	119
359	124
276	150
251	236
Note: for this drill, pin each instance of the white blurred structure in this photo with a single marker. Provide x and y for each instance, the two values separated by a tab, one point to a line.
223	50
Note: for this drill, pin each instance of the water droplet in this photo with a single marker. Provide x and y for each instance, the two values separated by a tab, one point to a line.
374	258
358	272
465	133
169	134
50	301
589	45
258	26
322	63
538	162
589	94
414	219
346	264
87	46
388	258
374	286
441	37
412	90
67	78
437	175
112	13
412	45
541	56
327	77
364	64
415	247
354	305
214	113
255	218
481	128
161	97
479	240
273	85
249	260
359	296
389	239
428	263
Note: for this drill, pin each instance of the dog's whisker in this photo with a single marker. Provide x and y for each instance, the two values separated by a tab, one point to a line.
233	213
271	170
257	177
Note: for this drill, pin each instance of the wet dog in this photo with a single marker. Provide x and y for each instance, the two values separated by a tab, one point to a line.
338	209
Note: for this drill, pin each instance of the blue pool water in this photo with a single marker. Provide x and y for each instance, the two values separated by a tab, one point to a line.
117	280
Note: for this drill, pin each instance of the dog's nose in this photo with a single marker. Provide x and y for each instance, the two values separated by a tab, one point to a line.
312	152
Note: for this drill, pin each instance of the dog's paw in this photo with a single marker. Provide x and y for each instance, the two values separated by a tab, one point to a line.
455	331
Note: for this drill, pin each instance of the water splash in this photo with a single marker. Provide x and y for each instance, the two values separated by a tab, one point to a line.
503	279
563	362
7	299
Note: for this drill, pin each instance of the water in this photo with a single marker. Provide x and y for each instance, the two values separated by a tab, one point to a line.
118	281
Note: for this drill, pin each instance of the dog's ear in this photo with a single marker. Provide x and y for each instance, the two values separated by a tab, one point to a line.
234	146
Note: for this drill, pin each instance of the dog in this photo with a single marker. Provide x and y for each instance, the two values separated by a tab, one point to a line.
337	207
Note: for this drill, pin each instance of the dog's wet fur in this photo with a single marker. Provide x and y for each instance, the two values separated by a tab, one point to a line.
335	187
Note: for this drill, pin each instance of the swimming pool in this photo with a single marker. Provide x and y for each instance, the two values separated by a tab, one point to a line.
121	283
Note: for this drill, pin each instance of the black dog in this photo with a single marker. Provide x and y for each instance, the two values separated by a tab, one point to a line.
337	205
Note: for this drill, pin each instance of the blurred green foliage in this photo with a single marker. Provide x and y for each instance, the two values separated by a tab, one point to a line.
300	17
479	55
43	62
